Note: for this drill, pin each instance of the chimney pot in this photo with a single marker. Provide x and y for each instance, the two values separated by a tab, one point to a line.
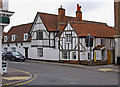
78	13
61	15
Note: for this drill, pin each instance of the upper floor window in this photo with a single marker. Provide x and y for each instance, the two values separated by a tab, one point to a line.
68	38
13	38
5	38
25	36
39	35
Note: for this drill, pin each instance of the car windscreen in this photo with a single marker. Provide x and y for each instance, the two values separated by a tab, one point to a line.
16	53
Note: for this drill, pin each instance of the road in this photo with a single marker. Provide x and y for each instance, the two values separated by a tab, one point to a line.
50	74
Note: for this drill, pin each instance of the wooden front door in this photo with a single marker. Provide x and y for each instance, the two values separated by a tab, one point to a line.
108	57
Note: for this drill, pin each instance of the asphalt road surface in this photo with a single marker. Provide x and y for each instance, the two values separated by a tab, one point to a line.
50	74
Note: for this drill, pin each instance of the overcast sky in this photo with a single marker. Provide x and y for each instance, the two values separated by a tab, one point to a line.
93	10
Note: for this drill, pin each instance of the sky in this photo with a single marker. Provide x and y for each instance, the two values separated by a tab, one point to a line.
92	10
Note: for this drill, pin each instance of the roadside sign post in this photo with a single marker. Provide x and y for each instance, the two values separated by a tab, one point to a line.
4	21
4	67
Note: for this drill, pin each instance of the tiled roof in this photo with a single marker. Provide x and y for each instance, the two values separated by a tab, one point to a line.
94	29
19	32
51	21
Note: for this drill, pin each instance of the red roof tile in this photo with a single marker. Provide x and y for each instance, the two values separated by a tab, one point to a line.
51	21
94	29
19	31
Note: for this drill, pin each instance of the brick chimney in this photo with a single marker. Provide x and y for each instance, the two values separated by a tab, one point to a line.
0	4
78	13
117	17
61	16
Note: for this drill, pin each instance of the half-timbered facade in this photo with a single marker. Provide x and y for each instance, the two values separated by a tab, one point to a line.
62	38
43	39
72	41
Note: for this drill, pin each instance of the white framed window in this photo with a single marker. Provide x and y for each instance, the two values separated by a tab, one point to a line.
13	49
13	37
5	38
25	37
40	52
68	38
66	55
73	55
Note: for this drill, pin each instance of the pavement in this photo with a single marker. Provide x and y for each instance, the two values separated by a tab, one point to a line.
18	77
15	77
103	68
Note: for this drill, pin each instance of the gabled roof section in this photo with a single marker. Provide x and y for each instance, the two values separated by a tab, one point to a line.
51	20
95	29
19	32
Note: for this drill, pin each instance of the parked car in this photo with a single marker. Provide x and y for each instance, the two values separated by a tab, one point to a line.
3	54
15	56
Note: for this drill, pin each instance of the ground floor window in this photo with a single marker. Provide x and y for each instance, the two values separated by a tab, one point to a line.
40	52
13	49
5	49
66	55
73	55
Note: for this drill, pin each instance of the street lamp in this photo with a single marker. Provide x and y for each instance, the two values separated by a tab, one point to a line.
4	21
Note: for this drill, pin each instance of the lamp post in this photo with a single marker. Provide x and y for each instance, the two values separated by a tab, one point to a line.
4	21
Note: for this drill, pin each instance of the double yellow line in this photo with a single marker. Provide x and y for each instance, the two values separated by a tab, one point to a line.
21	82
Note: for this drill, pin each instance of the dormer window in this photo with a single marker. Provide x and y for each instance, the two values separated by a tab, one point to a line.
5	38
25	37
13	38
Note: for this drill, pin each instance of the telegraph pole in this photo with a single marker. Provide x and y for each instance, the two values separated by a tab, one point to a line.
4	21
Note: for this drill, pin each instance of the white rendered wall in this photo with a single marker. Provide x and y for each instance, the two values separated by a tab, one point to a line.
19	47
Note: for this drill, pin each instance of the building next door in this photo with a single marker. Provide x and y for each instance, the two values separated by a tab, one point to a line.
26	52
